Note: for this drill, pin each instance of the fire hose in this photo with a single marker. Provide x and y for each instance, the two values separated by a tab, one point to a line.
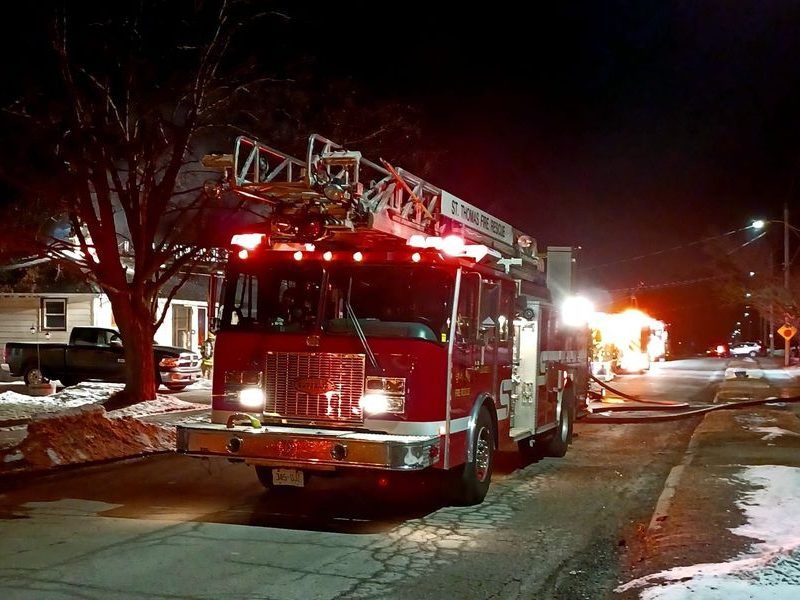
652	405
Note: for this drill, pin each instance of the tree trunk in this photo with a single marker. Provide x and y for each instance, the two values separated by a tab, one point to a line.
135	324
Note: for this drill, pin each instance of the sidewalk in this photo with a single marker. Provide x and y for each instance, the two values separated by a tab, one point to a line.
727	524
754	379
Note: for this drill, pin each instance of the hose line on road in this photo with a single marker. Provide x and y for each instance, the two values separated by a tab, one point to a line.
621	394
600	418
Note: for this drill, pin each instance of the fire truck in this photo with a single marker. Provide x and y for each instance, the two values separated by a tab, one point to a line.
376	322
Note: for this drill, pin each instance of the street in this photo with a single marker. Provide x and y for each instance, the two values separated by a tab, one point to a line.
174	527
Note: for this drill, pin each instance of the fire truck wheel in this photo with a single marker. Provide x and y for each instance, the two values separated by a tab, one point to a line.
558	444
475	476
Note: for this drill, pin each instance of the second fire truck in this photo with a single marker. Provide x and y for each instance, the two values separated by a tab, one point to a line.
374	321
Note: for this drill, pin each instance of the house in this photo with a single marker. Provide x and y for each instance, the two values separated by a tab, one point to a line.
46	307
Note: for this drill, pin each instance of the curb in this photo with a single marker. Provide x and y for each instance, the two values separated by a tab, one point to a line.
22	474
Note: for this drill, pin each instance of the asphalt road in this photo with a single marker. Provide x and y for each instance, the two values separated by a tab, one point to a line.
173	527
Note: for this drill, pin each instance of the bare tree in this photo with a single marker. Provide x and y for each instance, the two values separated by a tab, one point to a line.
112	140
115	136
753	279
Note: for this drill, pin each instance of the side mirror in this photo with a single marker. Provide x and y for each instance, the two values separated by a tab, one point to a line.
116	343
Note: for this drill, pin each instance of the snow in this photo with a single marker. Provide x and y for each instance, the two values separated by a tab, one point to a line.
84	434
162	404
743	373
783	373
21	406
73	427
200	384
774	432
769	568
14	406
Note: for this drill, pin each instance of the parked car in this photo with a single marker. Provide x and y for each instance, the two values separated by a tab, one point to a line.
751	349
96	353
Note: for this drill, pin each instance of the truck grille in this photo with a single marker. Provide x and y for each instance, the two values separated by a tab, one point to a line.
315	386
188	360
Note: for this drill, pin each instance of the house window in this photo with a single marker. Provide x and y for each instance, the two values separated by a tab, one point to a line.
54	314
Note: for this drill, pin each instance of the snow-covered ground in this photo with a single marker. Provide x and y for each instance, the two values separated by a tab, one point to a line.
768	569
72	426
14	405
84	434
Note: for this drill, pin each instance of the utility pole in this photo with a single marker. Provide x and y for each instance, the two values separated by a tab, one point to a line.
786	272
771	310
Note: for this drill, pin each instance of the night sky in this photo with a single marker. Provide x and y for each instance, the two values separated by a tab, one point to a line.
621	127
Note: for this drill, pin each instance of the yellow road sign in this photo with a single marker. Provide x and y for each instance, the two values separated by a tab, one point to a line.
787	331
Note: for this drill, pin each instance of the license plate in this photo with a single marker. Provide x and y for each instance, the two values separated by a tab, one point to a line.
293	477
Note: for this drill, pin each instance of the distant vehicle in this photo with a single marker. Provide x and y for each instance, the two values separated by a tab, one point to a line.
751	349
95	353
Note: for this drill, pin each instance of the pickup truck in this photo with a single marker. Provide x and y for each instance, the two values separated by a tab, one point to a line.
95	353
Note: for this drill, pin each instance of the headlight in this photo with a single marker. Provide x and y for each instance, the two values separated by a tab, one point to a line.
252	398
393	386
384	395
169	362
374	403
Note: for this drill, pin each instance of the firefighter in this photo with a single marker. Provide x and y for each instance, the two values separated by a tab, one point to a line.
207	357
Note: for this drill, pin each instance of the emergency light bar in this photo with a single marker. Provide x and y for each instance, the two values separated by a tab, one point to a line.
248	241
452	245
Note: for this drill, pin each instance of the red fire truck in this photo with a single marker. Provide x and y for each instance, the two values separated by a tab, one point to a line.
377	322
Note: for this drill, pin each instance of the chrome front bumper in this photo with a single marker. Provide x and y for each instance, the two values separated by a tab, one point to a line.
181	375
307	448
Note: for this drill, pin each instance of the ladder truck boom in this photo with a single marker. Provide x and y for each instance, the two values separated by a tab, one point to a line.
347	193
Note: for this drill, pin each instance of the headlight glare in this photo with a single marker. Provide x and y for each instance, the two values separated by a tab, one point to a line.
384	395
374	403
252	398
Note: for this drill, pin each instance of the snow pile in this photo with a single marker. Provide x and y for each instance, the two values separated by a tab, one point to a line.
84	434
14	406
162	404
200	384
770	568
743	373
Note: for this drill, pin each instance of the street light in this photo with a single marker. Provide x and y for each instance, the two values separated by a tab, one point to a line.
760	224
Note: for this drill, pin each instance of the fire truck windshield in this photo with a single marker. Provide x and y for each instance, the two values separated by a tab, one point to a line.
412	301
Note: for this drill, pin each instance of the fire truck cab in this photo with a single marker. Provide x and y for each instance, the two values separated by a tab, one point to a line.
389	327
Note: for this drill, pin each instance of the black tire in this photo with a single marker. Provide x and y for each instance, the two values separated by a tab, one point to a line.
559	442
264	475
69	381
34	376
475	476
176	387
753	354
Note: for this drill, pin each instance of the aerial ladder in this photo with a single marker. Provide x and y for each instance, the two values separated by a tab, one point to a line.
336	191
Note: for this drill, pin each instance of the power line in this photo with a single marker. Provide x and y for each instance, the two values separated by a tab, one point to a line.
672	249
665	284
